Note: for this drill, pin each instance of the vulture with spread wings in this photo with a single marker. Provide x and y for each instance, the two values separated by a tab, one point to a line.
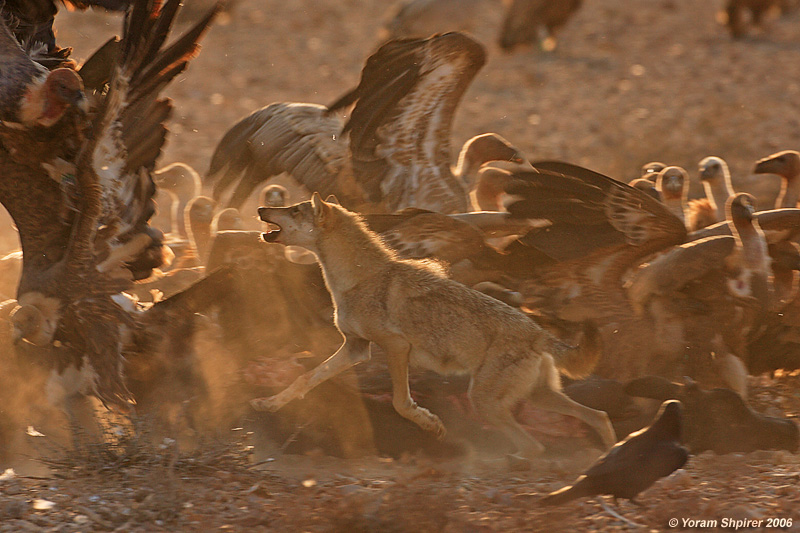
79	189
393	153
586	266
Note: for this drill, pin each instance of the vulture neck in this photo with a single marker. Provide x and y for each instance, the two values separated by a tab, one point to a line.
489	189
199	234
718	191
753	244
466	169
675	206
790	192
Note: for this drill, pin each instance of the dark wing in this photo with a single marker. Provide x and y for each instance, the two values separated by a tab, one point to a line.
644	457
676	268
303	140
600	229
419	234
96	71
589	212
400	126
127	135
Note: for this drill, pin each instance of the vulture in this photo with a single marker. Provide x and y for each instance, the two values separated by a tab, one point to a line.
529	21
785	164
393	152
650	170
673	184
176	184
79	189
225	220
199	216
584	265
274	195
716	180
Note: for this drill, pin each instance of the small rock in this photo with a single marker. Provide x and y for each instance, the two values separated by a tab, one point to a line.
43	505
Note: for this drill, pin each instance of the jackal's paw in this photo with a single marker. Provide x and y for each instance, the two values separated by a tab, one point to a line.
435	425
272	404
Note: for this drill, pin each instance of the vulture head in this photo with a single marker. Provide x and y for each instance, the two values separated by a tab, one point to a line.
713	169
274	196
45	104
785	164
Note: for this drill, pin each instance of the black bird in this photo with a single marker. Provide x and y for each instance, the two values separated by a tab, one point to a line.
633	464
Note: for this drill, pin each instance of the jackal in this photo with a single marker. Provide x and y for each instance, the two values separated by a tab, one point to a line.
418	316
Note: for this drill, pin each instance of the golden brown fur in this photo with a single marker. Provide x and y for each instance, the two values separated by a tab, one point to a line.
418	316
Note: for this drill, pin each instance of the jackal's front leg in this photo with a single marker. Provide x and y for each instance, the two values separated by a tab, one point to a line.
353	351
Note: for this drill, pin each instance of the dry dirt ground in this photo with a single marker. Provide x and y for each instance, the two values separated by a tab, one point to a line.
631	81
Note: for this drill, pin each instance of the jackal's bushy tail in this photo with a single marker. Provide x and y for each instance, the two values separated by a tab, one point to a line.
579	361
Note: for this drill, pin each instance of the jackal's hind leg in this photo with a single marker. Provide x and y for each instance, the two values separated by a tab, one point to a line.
558	402
498	411
353	351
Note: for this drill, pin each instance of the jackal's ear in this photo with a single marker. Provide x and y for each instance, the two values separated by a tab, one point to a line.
318	205
331	199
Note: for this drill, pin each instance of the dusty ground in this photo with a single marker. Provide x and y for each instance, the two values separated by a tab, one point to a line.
632	81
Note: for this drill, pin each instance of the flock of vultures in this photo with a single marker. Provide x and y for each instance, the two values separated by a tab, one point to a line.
125	268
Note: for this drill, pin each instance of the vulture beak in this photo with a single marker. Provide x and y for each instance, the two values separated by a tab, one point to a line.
81	102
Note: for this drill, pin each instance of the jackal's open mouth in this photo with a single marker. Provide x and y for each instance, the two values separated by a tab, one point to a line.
272	233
